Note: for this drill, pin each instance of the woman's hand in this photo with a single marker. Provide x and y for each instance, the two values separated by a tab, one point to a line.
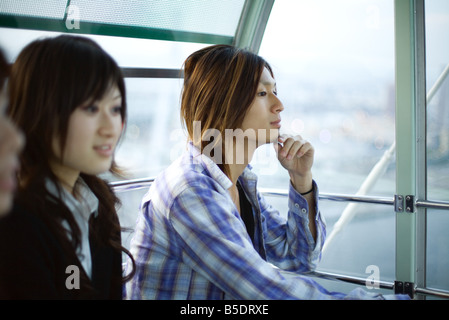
296	155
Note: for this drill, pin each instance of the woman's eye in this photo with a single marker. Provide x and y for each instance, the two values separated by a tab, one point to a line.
90	109
117	110
262	94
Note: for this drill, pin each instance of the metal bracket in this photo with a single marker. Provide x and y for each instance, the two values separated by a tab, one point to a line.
409	203
398	203
406	203
404	288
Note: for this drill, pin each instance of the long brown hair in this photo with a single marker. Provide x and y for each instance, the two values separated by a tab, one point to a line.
50	78
4	69
220	83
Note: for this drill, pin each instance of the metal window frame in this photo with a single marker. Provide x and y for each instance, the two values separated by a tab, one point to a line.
249	32
57	25
154	73
252	24
421	144
411	179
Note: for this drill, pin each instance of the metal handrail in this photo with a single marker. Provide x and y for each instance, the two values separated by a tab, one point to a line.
351	279
334	196
163	73
433	292
382	284
129	185
432	204
135	184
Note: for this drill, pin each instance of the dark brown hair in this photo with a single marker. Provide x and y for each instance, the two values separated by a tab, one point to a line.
220	83
50	78
4	69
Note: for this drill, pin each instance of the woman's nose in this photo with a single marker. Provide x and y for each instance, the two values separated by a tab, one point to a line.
110	124
277	106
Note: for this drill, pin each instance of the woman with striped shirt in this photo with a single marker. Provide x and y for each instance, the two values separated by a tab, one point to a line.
204	231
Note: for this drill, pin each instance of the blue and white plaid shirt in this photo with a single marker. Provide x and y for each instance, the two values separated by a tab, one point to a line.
191	243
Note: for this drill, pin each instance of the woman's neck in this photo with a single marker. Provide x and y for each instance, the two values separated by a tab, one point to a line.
66	176
239	160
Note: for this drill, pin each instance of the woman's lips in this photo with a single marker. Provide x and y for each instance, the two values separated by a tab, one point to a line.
105	150
276	124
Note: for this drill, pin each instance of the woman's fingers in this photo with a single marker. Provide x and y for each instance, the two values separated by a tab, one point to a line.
293	146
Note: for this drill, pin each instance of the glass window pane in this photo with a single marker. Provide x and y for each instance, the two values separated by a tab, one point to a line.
207	17
42	8
437	253
437	51
128	52
366	241
128	213
212	16
12	41
153	137
335	74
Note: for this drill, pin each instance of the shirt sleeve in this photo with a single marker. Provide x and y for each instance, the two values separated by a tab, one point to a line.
215	244
288	241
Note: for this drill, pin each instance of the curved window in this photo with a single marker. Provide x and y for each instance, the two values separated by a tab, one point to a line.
351	75
437	63
437	69
334	67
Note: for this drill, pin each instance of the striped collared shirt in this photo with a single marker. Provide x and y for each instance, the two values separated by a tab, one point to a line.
191	243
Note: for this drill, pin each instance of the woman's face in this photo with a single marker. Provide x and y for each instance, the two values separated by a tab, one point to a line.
263	116
11	142
93	132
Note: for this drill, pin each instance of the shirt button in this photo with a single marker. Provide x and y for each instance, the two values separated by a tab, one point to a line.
304	210
296	205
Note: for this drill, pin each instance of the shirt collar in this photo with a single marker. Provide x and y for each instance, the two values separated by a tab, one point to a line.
196	157
87	205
